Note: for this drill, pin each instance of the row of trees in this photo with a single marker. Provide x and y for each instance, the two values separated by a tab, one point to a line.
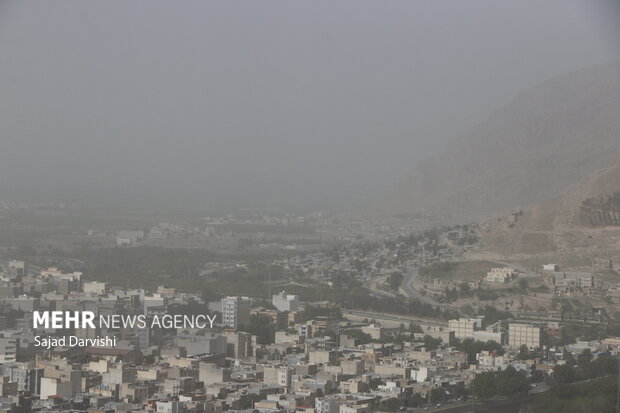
602	211
509	382
584	368
596	396
582	385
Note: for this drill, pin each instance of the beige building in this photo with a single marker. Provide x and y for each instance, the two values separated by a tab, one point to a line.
210	373
355	408
392	370
18	268
464	327
94	287
520	334
435	331
7	388
279	375
322	357
500	275
353	386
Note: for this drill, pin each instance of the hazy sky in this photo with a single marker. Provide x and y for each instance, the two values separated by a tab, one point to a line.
264	102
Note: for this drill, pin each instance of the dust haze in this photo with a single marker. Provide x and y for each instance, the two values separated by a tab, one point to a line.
271	103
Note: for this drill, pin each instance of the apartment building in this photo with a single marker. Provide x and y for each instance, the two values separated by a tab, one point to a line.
464	327
285	302
235	311
524	334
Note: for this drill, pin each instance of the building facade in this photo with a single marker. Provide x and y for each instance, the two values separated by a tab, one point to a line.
523	334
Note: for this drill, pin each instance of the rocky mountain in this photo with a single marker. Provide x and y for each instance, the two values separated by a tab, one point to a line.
533	149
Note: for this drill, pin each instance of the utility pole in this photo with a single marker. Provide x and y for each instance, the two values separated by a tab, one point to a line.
618	388
269	283
473	394
430	390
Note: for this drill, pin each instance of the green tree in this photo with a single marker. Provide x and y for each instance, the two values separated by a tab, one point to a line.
247	400
262	327
438	395
359	336
395	279
148	359
563	374
601	366
524	353
390	405
484	386
467	309
431	343
596	396
493	315
511	382
415	328
506	383
584	358
415	400
375	383
459	390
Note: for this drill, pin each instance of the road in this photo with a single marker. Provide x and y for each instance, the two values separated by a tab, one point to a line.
32	269
511	405
412	274
394	317
508	405
380	293
407	290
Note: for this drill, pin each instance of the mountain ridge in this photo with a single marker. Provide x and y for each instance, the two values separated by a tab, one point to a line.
535	147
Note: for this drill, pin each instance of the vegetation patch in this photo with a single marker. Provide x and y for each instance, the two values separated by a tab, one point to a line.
598	395
463	270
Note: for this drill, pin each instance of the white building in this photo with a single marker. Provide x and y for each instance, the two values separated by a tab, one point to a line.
53	272
94	287
278	375
488	360
235	311
55	387
155	300
486	335
284	302
9	347
421	374
120	241
169	407
132	236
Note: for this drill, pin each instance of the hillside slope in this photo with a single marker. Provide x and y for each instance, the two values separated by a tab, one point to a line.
546	139
564	224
